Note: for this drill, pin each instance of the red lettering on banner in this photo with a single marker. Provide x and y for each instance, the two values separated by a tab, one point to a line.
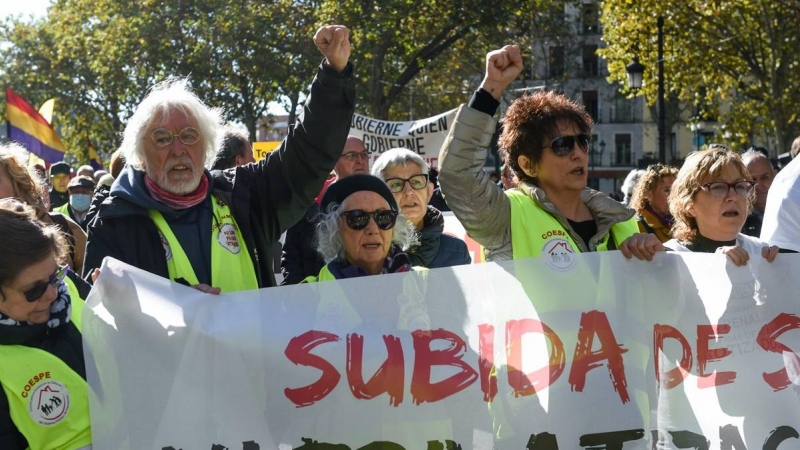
705	355
529	384
677	375
422	390
449	350
596	323
486	366
299	352
389	377
767	339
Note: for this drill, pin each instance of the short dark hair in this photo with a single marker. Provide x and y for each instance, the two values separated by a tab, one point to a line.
532	120
234	143
25	240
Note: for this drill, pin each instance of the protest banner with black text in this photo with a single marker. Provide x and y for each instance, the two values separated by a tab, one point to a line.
424	137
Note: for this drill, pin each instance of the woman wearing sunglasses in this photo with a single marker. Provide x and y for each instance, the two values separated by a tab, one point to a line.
361	231
710	200
406	174
44	400
545	139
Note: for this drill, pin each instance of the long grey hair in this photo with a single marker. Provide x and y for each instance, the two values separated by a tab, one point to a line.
329	239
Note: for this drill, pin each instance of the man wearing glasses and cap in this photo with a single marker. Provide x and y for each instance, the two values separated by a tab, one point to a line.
215	230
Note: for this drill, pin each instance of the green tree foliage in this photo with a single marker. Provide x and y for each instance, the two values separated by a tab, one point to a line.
99	58
738	57
396	41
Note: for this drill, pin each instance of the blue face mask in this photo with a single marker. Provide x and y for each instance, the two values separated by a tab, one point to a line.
80	202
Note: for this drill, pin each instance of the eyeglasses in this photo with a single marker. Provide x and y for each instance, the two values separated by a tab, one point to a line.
162	137
352	156
720	189
562	146
416	182
358	219
37	291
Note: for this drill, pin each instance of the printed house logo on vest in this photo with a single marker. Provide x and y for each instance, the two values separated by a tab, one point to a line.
167	249
49	403
558	254
227	238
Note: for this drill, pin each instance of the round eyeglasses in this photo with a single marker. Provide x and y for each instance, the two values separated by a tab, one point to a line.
162	137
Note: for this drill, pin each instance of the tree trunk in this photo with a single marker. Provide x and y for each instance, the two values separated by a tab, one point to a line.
293	110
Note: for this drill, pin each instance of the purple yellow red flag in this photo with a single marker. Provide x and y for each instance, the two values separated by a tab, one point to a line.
47	109
28	127
94	158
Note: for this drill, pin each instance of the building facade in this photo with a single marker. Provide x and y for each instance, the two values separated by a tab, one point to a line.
625	135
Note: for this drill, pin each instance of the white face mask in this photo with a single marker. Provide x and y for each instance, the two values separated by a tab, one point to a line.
80	202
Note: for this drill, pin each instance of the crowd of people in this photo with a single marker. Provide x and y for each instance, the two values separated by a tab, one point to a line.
160	209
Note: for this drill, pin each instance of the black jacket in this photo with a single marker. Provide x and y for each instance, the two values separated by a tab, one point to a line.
58	198
299	258
64	342
752	225
435	248
265	198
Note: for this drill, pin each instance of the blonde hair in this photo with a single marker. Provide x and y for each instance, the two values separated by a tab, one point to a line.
643	191
24	180
698	169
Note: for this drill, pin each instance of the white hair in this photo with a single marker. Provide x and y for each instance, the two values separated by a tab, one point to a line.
329	239
172	94
398	157
752	155
630	183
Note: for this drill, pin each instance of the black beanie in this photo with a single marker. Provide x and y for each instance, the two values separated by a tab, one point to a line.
342	189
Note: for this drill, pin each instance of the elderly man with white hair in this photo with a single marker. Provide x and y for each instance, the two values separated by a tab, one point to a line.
214	230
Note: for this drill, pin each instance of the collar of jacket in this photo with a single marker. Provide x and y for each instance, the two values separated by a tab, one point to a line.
429	237
605	210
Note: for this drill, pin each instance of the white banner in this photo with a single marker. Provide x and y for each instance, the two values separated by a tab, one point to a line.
588	351
424	136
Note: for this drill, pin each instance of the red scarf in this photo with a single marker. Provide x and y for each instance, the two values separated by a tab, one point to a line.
178	201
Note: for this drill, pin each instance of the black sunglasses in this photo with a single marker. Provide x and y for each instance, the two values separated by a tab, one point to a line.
563	145
37	291
358	219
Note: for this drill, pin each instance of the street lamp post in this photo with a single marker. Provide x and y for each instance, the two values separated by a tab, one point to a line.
593	161
635	71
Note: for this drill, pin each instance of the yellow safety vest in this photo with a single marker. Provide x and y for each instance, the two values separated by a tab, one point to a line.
534	232
324	275
231	267
63	209
47	400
